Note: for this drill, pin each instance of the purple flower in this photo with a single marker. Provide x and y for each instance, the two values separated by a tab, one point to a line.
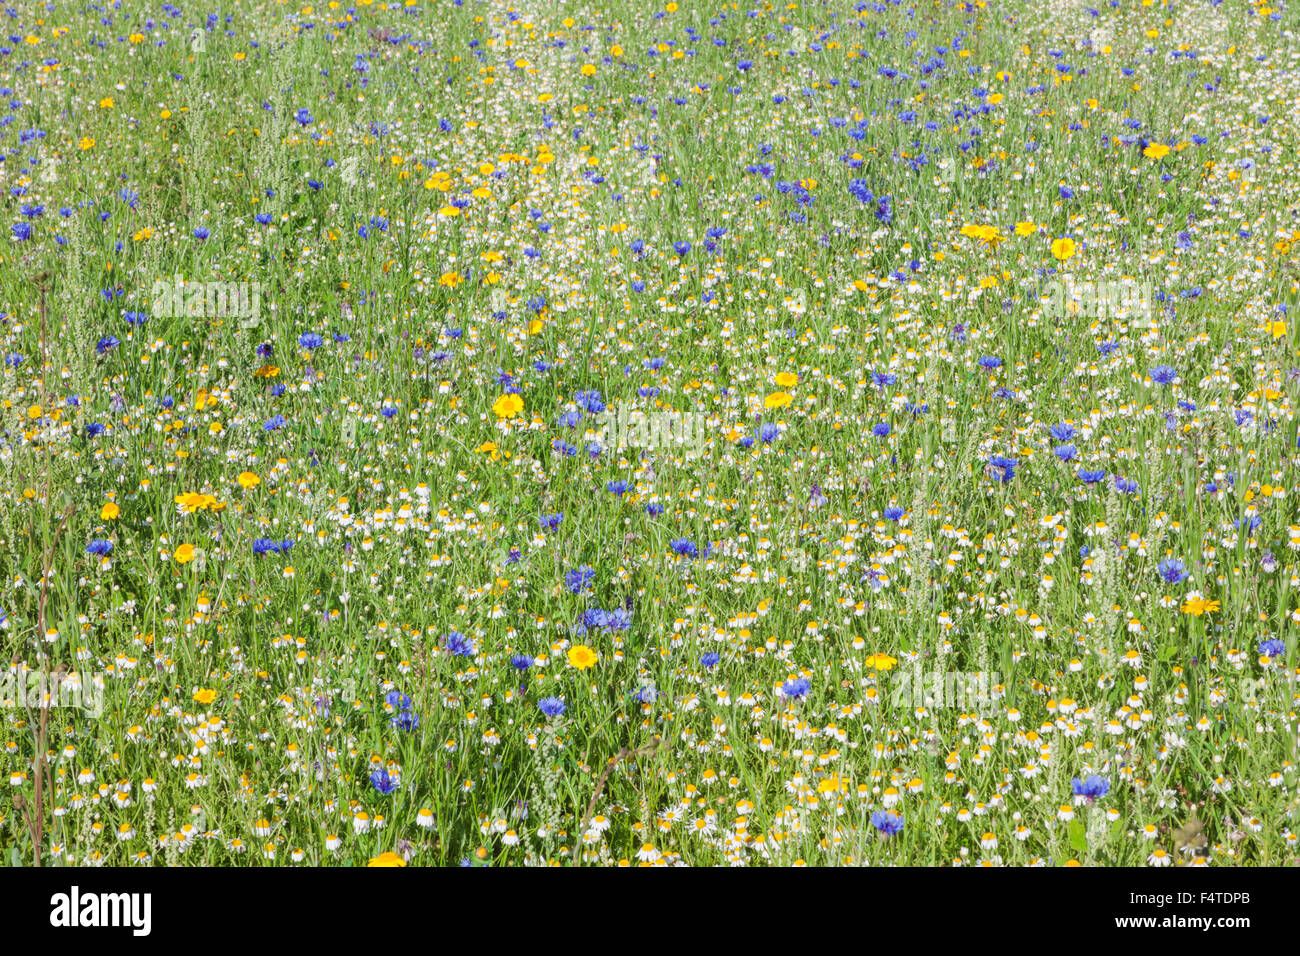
887	822
796	688
1172	570
1090	788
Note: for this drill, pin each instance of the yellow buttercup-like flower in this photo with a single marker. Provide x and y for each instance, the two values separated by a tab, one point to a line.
387	859
582	657
508	406
777	400
1196	606
881	662
787	379
1063	248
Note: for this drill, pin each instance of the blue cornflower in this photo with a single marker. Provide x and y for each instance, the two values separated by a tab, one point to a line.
685	546
1062	432
382	782
521	662
894	512
457	644
887	822
881	430
617	487
310	340
1090	788
1126	486
769	432
106	344
579	580
1065	452
990	362
100	547
201	233
796	688
590	401
1163	374
277	421
1172	570
1003	468
406	720
551	706
1091	476
551	522
710	660
1271	648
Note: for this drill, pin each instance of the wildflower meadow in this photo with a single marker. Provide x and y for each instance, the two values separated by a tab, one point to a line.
490	433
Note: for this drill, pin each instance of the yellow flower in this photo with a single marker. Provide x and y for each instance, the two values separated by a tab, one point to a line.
777	400
1063	248
986	234
184	554
248	480
109	511
387	859
508	406
1198	605
787	379
106	103
192	501
582	657
588	70
881	662
1277	329
85	143
489	448
1156	151
204	695
833	784
1025	228
449	279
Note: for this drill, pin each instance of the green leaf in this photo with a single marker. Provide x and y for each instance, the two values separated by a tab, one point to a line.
1078	836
